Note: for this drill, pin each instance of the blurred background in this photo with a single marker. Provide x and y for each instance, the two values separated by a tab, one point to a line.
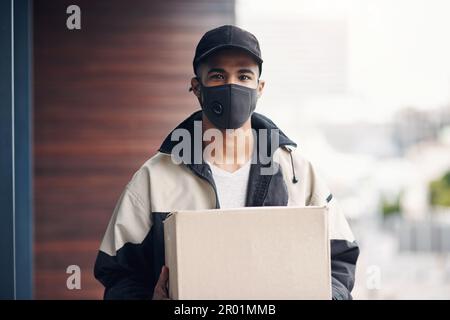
363	87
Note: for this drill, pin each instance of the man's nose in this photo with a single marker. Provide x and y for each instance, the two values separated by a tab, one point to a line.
232	80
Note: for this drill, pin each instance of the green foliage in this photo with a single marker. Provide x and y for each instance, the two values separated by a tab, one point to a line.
440	191
390	207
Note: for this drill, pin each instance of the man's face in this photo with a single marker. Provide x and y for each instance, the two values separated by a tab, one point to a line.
228	66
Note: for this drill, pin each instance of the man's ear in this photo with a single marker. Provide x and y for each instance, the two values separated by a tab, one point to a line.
260	87
195	87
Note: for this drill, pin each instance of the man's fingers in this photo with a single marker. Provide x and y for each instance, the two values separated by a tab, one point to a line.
163	277
160	294
161	286
165	272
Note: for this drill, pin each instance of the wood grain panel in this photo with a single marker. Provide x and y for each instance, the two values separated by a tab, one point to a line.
105	96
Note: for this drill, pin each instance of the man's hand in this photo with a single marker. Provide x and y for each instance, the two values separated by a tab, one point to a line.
161	291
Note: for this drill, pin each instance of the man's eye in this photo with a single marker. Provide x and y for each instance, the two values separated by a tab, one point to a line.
217	76
244	77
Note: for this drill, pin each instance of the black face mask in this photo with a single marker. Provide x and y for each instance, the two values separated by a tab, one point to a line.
228	106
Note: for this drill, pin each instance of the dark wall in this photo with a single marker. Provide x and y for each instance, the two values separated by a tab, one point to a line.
15	150
105	97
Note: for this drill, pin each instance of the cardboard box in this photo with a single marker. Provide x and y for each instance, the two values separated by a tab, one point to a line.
248	253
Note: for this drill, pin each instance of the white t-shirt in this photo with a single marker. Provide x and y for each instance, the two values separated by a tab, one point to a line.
231	186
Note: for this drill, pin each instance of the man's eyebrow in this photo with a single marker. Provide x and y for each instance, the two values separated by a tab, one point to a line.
219	70
246	71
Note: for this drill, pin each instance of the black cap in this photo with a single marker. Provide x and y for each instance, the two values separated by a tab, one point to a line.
227	37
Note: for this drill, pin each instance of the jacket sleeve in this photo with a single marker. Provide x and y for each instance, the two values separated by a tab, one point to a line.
344	249
124	261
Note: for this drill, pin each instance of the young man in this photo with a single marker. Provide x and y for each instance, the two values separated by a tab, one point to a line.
227	65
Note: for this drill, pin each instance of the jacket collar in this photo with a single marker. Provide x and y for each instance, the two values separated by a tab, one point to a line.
258	122
257	189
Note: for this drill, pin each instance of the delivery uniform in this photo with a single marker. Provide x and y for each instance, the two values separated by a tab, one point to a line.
131	254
